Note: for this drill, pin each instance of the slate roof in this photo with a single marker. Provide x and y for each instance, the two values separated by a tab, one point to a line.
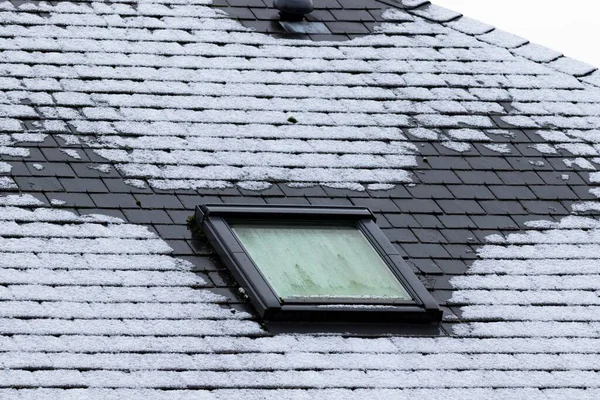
476	150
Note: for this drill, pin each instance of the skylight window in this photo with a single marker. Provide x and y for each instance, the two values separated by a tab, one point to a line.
316	264
322	263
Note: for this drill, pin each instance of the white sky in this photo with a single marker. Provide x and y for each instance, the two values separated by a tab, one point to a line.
571	27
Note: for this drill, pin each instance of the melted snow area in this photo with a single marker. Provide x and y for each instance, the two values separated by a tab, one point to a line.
178	96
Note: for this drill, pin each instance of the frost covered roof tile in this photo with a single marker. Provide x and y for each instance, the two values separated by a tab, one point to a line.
476	150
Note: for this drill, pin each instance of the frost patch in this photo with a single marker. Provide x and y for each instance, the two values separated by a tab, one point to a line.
7	183
104	168
255	186
578	149
347	186
537	163
45	214
551	263
92	277
545	148
586	206
595	177
501	148
20	200
136	183
71	153
580	162
396	15
301	185
502	132
70	139
556	136
29	137
14	151
5	168
460	147
172	184
380	186
468	135
422	133
217	162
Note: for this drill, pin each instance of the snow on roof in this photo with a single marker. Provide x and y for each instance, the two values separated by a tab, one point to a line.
176	95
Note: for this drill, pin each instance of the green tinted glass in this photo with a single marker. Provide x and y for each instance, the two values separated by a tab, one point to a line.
314	261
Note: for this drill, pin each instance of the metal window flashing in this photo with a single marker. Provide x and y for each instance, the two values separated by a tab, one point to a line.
215	219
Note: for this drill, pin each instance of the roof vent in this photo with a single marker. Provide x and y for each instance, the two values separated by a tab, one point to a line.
293	10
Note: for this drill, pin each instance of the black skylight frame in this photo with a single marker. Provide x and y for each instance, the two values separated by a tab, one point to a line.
215	221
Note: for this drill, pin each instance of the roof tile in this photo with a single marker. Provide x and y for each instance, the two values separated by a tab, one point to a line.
537	53
470	26
503	39
573	67
435	13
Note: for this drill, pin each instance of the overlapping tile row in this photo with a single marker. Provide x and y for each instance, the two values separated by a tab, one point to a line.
77	96
453	138
112	309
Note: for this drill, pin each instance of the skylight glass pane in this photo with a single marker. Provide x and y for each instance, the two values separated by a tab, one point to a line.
320	262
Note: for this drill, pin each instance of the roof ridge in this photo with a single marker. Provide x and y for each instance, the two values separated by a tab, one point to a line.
516	45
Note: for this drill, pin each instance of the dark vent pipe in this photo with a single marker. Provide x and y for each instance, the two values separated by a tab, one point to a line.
293	10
